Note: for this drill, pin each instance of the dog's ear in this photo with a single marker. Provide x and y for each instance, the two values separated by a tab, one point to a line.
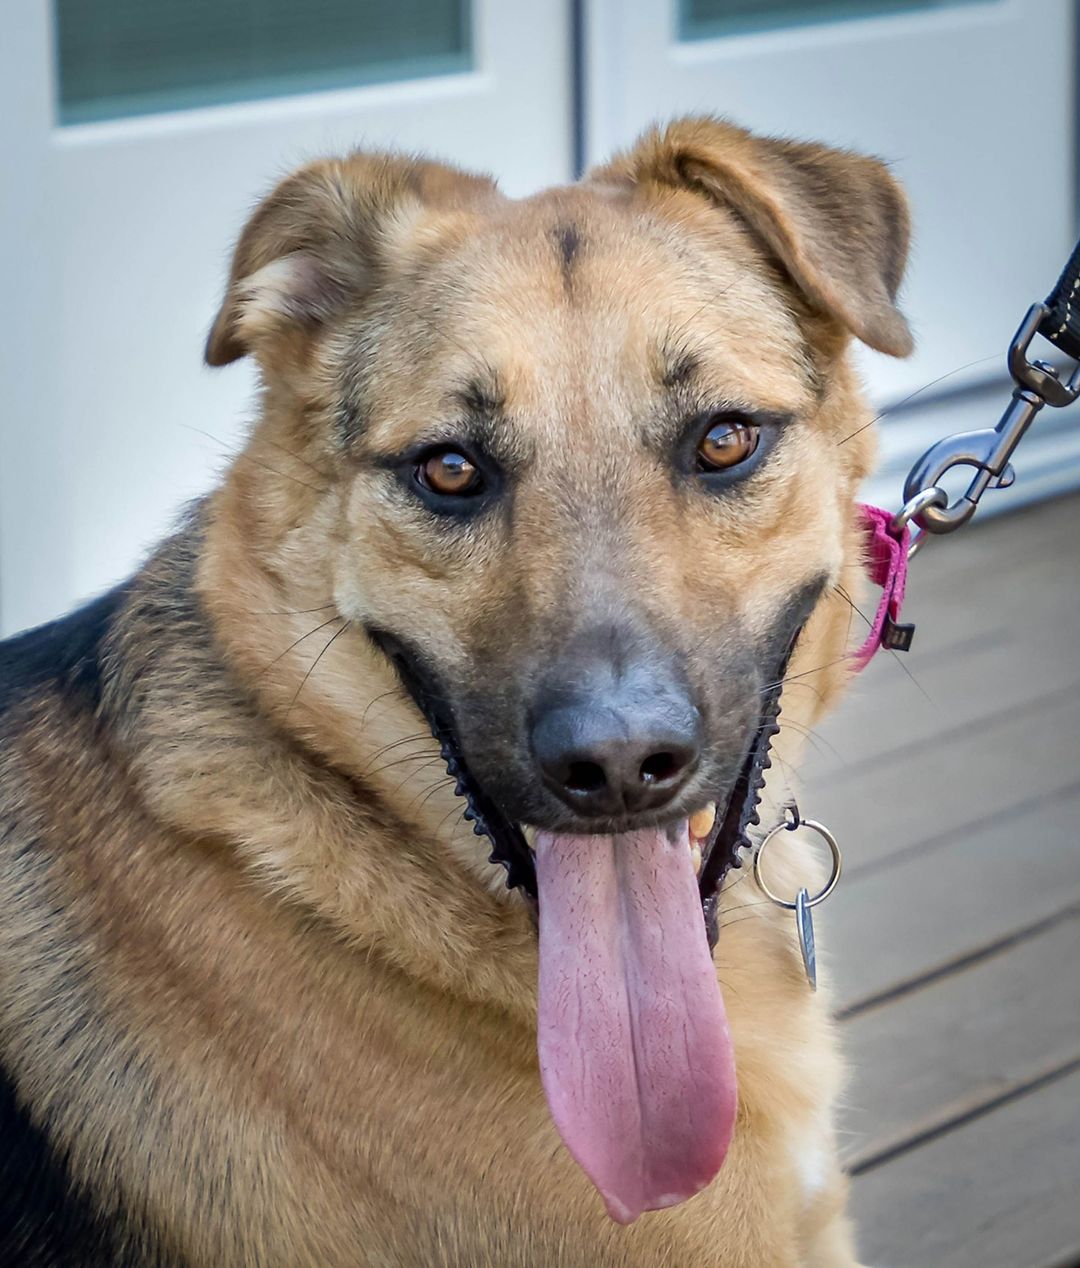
837	222
320	242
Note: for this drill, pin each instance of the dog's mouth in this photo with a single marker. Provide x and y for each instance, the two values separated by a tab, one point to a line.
635	1054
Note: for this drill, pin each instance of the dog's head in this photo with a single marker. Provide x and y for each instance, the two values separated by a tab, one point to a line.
585	462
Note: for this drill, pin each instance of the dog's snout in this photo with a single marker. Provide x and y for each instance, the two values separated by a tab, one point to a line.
622	740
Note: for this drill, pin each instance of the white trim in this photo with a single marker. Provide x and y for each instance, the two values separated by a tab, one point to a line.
829	32
286	108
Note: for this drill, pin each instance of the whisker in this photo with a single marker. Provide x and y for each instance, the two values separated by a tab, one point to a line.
437	329
744	911
918	392
298	641
324	475
458	808
426	758
806	673
243	454
895	655
394	691
288	612
807	686
812	737
413	775
303	682
408	739
442	783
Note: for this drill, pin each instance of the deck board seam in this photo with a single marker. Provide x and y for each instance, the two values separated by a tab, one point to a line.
996	720
959	1118
930	845
978	955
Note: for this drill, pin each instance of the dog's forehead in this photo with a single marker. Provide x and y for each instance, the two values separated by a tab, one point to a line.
594	277
584	300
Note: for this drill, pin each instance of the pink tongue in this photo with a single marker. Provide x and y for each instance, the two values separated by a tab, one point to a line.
635	1053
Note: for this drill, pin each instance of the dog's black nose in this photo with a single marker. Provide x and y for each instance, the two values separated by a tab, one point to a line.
621	739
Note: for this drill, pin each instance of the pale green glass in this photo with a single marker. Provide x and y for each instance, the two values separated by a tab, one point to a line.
124	57
706	19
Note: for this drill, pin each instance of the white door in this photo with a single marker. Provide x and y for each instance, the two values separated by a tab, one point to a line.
974	105
136	136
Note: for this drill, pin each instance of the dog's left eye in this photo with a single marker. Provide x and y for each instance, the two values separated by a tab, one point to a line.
450	473
727	442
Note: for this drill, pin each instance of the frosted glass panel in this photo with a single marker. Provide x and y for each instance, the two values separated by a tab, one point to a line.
704	19
122	57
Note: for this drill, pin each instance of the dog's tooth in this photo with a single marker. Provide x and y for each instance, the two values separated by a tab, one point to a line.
695	858
701	821
529	833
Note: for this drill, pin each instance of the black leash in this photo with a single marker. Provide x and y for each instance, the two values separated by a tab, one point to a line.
1061	324
990	450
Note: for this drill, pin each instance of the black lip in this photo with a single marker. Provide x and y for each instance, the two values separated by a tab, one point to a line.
509	849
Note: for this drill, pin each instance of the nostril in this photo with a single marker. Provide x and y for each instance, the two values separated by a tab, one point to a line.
658	767
585	777
605	756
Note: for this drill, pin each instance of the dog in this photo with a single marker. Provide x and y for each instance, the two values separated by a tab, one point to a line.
544	499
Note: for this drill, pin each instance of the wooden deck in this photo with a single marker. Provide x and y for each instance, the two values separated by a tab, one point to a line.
954	938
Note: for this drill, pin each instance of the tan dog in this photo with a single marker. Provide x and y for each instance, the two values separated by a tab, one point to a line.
573	466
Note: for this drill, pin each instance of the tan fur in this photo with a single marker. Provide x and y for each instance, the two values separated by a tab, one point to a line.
306	1003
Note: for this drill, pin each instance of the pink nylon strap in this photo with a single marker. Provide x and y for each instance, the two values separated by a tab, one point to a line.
886	564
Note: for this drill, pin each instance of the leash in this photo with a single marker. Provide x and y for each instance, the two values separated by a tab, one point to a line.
989	451
890	541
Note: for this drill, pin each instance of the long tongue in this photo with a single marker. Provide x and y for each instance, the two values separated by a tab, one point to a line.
635	1054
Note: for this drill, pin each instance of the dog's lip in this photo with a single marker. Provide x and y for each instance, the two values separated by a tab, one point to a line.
697	830
674	825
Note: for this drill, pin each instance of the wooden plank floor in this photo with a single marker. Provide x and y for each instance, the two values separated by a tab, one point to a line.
953	941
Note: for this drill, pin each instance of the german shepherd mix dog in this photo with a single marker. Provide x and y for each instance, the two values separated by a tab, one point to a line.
561	480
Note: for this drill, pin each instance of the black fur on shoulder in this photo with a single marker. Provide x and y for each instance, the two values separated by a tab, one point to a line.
66	652
45	1222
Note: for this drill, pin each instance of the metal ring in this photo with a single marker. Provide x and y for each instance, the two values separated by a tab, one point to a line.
834	850
913	507
917	542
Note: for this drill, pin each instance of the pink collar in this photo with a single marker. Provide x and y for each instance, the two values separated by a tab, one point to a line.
886	564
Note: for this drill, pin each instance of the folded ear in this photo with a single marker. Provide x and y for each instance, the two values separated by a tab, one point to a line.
837	222
320	242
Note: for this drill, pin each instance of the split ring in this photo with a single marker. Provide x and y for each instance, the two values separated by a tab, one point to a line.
834	850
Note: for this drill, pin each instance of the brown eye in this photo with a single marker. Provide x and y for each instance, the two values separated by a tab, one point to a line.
727	443
450	473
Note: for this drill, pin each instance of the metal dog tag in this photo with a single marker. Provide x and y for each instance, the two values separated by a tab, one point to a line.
804	922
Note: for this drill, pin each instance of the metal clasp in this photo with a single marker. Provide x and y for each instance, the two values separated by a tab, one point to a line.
989	450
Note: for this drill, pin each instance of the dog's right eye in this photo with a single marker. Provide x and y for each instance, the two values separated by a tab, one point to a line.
449	473
729	441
